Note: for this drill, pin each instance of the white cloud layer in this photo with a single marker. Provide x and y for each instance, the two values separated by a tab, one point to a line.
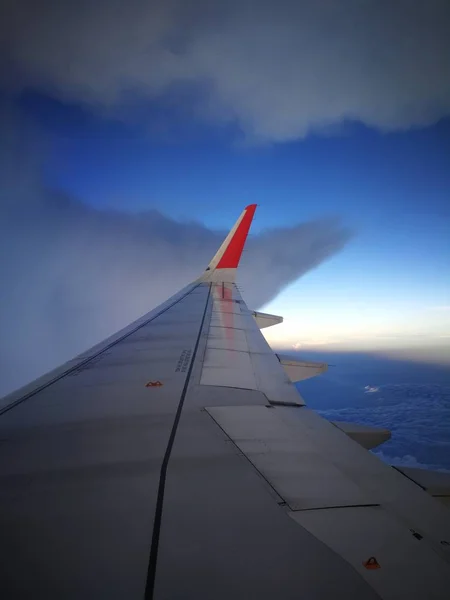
278	69
418	417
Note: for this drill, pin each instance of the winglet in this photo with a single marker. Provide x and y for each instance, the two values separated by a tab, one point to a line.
227	257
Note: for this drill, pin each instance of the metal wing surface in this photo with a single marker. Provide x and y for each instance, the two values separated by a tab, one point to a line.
177	460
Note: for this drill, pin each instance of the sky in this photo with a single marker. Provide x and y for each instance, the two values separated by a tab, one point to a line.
133	134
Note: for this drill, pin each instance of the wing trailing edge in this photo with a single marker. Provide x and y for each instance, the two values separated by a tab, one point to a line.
436	483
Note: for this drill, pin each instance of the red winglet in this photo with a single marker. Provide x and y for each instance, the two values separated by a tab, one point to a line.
232	255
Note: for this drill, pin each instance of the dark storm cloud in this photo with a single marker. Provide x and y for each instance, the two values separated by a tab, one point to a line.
71	275
278	68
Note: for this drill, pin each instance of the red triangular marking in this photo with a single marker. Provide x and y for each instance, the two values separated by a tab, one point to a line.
231	256
371	563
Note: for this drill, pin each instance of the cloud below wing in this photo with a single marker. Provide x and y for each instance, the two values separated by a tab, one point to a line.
417	415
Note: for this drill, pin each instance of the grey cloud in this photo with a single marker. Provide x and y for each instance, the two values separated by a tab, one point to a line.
283	255
279	69
71	275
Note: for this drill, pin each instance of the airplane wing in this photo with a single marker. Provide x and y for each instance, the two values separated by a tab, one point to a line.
177	460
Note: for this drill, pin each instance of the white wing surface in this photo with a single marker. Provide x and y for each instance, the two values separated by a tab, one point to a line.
177	460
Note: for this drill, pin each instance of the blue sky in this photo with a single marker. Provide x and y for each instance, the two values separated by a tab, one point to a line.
388	289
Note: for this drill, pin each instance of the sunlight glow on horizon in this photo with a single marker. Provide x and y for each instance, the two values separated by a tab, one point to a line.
317	319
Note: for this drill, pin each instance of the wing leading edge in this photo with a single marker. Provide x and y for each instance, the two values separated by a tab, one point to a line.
121	473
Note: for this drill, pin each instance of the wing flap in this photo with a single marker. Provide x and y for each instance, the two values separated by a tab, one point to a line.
290	462
367	436
298	370
265	319
407	567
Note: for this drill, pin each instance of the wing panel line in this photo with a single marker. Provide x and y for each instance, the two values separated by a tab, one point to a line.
153	558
